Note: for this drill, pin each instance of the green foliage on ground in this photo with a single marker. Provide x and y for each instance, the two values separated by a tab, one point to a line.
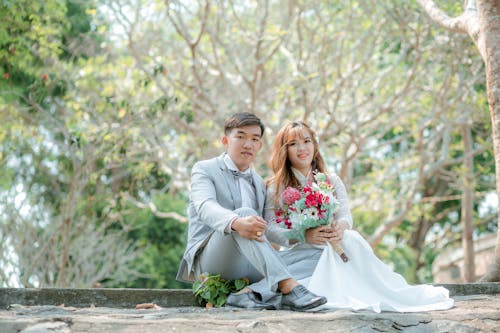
212	290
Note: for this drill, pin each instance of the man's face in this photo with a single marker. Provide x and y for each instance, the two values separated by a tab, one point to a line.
243	144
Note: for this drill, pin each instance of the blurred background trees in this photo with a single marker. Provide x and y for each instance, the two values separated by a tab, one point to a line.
105	106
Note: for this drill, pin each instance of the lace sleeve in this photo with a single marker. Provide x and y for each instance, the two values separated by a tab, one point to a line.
344	212
274	232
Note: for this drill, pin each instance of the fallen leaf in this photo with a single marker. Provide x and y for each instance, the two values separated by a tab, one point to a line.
147	306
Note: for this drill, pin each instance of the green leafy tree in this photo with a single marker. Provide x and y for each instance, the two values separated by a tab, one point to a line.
52	163
136	92
161	243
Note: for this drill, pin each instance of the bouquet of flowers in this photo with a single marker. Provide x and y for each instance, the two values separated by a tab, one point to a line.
308	208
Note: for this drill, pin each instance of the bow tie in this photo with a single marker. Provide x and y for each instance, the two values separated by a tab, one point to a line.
246	176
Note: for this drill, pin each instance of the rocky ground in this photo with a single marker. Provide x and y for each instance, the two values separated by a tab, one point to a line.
473	313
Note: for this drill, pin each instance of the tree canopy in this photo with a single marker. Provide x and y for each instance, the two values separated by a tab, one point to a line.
106	105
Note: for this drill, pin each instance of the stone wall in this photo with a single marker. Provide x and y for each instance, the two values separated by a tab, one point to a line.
448	266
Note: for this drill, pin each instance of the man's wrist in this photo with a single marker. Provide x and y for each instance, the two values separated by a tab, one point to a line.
232	223
230	226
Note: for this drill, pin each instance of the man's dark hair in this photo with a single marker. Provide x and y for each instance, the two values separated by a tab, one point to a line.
243	119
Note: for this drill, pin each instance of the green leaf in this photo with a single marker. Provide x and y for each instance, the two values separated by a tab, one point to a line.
239	284
215	289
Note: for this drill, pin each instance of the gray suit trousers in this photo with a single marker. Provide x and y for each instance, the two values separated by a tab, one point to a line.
235	257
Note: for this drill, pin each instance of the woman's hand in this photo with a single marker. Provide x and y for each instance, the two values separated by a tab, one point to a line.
319	235
338	232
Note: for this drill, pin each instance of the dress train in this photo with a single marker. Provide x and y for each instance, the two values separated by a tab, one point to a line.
367	283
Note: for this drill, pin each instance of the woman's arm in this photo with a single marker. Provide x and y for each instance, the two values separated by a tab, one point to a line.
274	232
343	215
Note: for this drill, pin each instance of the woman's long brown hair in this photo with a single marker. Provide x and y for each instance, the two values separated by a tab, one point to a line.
280	163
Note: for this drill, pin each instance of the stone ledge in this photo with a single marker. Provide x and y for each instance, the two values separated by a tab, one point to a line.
101	297
129	298
475	313
465	289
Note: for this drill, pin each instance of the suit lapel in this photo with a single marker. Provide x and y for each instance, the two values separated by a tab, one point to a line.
259	192
231	184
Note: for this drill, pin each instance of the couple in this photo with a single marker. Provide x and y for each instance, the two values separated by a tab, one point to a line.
228	235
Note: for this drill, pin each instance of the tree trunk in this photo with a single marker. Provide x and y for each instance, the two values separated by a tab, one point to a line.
481	21
489	25
469	269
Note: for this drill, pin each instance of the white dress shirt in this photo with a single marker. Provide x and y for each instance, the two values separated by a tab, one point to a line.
247	190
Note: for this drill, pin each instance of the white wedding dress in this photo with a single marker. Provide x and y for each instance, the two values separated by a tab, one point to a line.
362	283
367	283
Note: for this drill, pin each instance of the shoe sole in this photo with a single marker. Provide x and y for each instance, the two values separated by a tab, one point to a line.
270	307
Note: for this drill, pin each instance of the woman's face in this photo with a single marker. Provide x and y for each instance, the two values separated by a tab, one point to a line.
301	151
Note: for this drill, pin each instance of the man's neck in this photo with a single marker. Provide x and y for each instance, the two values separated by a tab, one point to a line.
230	163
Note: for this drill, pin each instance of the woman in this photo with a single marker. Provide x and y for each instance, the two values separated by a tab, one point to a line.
362	282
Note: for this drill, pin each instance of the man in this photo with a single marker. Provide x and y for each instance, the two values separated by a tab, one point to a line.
226	228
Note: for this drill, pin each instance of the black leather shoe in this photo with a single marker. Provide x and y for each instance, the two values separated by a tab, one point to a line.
301	299
248	301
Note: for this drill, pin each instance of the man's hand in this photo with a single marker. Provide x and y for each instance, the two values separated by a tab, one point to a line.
319	235
251	227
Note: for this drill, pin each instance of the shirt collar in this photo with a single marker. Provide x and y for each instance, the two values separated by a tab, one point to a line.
300	177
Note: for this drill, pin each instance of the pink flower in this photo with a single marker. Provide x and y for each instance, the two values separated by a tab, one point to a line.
290	195
325	199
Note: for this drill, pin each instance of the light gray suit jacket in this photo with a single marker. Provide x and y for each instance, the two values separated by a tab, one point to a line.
213	198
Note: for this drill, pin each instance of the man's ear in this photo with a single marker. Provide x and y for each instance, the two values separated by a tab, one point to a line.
224	140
